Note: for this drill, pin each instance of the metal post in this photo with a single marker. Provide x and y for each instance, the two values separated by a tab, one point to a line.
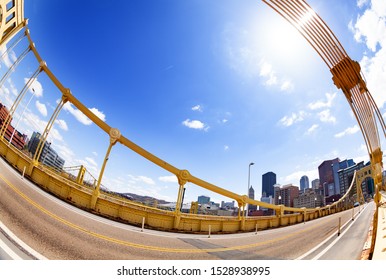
47	130
249	176
339	224
114	136
143	223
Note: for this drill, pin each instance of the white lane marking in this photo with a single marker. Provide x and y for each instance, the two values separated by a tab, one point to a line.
21	243
9	251
331	236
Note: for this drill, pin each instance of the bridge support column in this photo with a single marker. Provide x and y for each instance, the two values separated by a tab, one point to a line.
182	177
244	209
82	171
115	134
280	213
43	137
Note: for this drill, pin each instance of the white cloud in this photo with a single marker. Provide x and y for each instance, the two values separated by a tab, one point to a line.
197	108
293	118
312	129
91	161
141	179
66	153
226	147
195	124
271	78
168	179
370	28
82	117
62	124
267	72
294	178
14	90
54	135
347	131
323	104
36	87
5	92
325	116
33	121
8	58
287	85
98	113
361	3
135	185
41	108
240	48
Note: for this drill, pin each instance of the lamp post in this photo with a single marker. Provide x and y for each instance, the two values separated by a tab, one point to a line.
249	179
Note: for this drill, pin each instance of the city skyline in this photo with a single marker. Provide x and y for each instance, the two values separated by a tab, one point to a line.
209	96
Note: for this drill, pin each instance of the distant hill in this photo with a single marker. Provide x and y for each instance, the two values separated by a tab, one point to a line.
142	198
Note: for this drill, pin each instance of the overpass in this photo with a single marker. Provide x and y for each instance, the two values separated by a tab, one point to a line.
346	76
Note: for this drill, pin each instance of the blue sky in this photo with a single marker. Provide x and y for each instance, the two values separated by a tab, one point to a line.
208	86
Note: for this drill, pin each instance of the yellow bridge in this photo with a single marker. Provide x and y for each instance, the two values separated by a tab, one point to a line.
346	75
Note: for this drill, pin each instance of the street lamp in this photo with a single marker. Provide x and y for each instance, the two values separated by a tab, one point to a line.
249	177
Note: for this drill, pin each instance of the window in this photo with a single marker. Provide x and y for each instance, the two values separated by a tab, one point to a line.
10	5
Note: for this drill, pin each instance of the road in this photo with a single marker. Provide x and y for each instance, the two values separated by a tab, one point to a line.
53	229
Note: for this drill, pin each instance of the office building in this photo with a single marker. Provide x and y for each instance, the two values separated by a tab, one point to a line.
48	155
227	205
286	194
326	176
269	180
309	199
202	199
336	166
251	195
347	175
304	183
267	211
315	184
17	138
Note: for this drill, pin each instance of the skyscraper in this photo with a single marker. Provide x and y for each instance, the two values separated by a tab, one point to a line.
286	194
315	184
304	183
202	199
251	195
48	156
326	176
338	166
269	179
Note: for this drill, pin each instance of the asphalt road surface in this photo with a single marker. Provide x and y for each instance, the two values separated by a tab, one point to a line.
50	228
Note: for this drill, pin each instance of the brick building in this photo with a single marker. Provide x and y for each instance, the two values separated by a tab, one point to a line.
18	139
